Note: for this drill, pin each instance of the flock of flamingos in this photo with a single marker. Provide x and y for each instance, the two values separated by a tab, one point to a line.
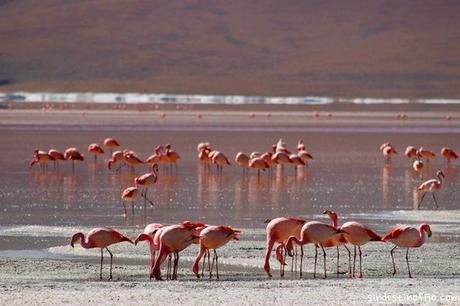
282	233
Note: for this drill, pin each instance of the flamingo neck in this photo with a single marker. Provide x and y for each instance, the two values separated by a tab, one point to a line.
335	221
83	241
423	234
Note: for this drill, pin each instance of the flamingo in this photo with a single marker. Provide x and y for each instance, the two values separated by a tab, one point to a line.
102	238
42	158
427	154
407	237
213	237
296	161
304	155
95	149
281	158
259	164
174	239
278	231
117	157
56	155
131	159
146	181
448	154
242	160
432	186
417	165
387	150
300	145
411	152
129	195
204	158
111	143
171	156
339	240
157	156
149	235
73	154
202	146
358	235
220	160
313	232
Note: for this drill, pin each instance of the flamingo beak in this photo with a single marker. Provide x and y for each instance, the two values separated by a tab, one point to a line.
429	233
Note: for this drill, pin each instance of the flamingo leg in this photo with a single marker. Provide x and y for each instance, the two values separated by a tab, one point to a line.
423	196
176	265
102	260
268	252
435	202
324	259
217	263
393	260
354	260
407	261
301	260
168	269
316	260
338	258
204	262
209	264
212	265
360	259
349	259
124	206
111	261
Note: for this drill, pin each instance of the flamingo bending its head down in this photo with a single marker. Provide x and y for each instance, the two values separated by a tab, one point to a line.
100	238
448	154
407	237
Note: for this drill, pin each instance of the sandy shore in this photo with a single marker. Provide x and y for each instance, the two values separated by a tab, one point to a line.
54	282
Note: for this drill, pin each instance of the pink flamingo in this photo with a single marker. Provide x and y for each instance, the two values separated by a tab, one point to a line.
339	240
73	154
131	159
174	239
117	158
431	186
220	160
242	160
387	150
448	154
171	156
149	235
129	195
101	237
213	237
358	235
157	156
42	158
411	152
111	143
407	237
313	232
278	231
427	154
95	149
56	155
146	181
258	163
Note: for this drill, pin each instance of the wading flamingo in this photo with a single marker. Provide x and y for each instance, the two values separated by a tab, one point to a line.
387	150
42	158
174	239
100	238
432	186
220	160
146	181
131	159
296	161
417	165
411	153
426	154
95	149
213	237
148	235
313	232
300	145
129	195
171	156
305	156
358	235
117	158
111	144
278	231
338	240
258	163
157	156
56	155
242	160
448	154
407	237
73	154
204	158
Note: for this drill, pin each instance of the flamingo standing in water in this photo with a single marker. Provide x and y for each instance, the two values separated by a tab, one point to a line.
117	158
73	154
157	157
426	154
100	238
220	160
131	159
242	160
358	235
407	237
171	156
95	149
387	150
129	195
56	155
146	181
278	231
203	156
411	153
448	154
42	158
111	144
418	166
174	239
258	163
339	240
314	232
432	186
213	237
